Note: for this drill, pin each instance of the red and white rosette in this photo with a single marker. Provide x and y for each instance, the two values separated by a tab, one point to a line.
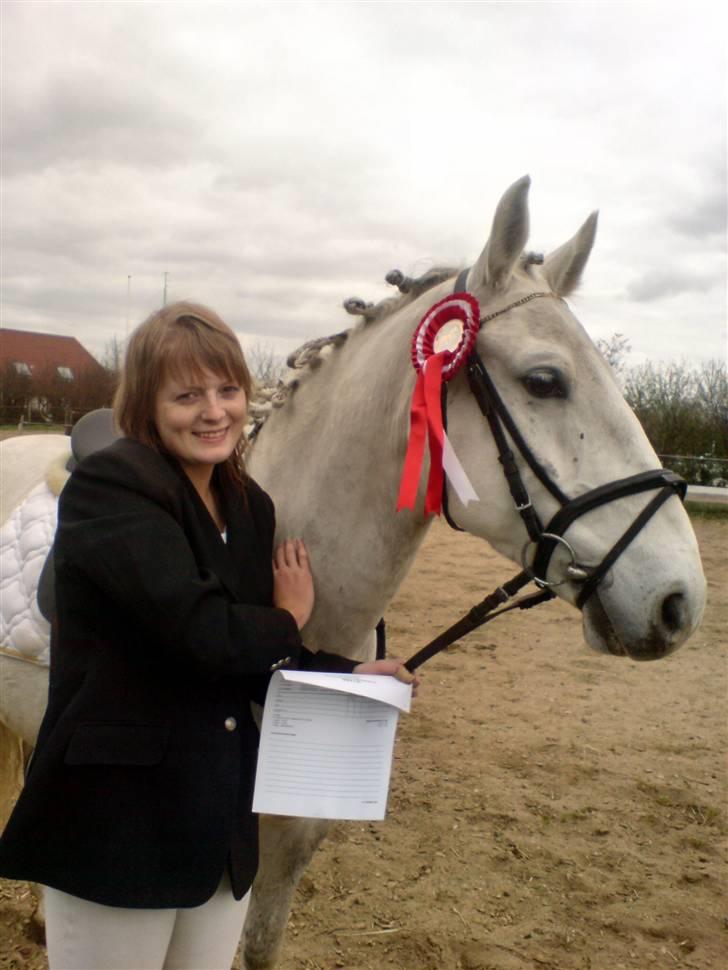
433	369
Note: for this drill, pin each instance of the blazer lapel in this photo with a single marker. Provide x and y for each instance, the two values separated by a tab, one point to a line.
209	547
247	554
243	563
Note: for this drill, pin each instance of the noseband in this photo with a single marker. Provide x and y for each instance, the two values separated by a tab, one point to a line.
545	540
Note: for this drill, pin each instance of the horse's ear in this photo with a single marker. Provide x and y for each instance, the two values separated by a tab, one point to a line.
507	239
564	266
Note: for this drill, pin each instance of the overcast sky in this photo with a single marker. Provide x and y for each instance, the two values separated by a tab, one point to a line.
276	158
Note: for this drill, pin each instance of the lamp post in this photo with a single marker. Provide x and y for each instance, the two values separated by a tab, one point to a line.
128	304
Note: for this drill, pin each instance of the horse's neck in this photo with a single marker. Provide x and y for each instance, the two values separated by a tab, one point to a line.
331	459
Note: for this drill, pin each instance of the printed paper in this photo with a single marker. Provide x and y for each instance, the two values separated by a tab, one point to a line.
326	744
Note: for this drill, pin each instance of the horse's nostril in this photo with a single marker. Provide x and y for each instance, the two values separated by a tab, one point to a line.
673	612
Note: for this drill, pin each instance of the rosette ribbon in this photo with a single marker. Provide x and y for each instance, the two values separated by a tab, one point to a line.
426	421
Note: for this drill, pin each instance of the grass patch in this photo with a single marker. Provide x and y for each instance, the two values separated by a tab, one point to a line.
34	428
577	814
699	844
707	510
695	813
703	814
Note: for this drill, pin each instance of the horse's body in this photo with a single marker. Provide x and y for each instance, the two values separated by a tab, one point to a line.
332	458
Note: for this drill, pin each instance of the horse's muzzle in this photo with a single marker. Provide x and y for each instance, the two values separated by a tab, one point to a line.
668	623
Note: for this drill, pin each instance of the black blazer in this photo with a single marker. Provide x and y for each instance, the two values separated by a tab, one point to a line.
140	788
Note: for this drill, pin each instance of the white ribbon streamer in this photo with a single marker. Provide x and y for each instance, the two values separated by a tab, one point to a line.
456	474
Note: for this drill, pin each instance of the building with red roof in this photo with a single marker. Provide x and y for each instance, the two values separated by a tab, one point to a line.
49	376
32	353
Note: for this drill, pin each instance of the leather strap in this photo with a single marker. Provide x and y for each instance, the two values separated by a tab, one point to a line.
618	548
479	614
592	499
461	283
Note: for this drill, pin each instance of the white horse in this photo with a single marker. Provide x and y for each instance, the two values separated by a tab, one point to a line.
331	455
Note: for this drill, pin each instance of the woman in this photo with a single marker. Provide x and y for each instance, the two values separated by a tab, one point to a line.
173	610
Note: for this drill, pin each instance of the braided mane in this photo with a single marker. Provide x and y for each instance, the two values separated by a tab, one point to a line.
309	357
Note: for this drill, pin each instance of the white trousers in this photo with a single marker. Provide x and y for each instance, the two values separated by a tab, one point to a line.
87	936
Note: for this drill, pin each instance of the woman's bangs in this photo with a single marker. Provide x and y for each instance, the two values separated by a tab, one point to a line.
191	353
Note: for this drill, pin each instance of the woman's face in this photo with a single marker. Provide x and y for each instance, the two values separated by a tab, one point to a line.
200	420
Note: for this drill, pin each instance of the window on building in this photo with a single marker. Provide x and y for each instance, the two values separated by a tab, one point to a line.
65	373
22	368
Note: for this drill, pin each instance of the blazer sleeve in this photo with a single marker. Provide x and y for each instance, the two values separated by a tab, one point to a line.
307	660
122	534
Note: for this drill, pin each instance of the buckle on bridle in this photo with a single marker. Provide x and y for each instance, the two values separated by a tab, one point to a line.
575	573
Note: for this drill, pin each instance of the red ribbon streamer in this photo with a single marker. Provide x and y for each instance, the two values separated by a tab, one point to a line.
425	419
426	408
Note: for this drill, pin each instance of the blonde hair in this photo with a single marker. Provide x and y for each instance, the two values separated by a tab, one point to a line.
179	341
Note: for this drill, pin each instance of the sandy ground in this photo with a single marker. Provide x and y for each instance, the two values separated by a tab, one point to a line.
550	808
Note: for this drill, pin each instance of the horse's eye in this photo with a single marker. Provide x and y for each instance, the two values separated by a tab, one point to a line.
545	382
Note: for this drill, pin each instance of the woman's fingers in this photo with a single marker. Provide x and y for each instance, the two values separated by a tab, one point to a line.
392	666
279	556
291	553
404	675
292	580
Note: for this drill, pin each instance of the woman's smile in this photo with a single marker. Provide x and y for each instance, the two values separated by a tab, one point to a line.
211	435
200	419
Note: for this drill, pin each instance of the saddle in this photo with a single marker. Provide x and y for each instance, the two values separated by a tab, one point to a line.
92	432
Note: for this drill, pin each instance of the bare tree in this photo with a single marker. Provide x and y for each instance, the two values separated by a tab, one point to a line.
113	356
615	350
712	395
15	392
265	365
684	411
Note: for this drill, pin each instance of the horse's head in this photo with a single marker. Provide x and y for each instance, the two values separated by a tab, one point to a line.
581	434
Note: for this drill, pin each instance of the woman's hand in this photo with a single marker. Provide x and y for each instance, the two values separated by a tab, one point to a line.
393	667
292	580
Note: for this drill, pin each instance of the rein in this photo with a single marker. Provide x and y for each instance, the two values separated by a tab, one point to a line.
545	540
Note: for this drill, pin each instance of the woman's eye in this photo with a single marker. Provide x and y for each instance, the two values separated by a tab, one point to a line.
231	390
545	382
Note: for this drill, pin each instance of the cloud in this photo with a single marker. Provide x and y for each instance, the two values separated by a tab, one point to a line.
704	218
275	159
89	119
661	283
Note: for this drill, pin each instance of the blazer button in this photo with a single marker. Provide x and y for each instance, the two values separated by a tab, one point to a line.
279	664
230	723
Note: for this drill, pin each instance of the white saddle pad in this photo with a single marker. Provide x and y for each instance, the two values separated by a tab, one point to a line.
25	540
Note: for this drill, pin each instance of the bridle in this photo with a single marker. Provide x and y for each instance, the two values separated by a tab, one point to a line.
545	540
